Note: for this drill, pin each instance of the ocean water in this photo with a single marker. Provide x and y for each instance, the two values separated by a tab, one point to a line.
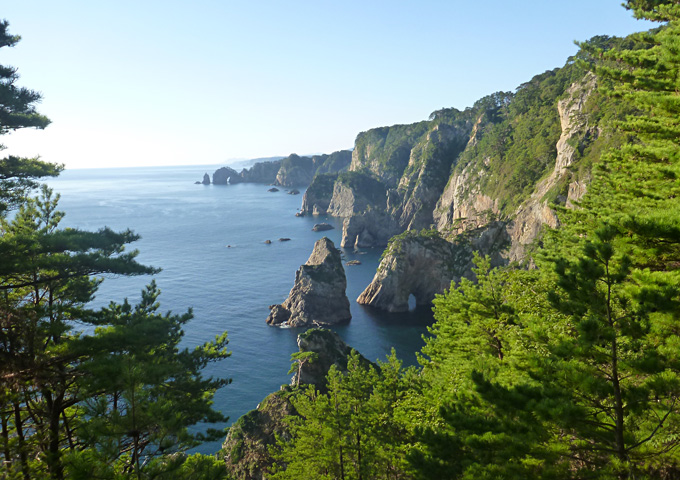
209	241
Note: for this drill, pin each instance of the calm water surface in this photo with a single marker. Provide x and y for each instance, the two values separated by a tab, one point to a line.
209	241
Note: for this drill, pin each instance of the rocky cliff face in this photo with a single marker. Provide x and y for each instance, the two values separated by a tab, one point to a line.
396	176
335	162
425	176
291	171
295	171
317	197
536	211
384	152
246	447
424	264
318	296
464	203
261	172
362	200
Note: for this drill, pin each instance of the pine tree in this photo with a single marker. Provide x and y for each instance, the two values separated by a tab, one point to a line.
17	110
476	415
54	387
45	285
142	391
350	431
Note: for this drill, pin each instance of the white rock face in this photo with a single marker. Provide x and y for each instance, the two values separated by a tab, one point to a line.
535	212
463	207
318	296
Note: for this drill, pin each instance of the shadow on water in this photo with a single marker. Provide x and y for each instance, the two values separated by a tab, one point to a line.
417	316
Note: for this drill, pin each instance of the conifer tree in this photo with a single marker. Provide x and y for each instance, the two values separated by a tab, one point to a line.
349	432
142	391
17	110
48	369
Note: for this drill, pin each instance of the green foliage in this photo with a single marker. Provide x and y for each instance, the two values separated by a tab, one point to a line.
395	247
517	135
82	466
350	432
335	162
18	103
127	391
388	148
143	391
593	390
299	360
364	184
96	405
17	110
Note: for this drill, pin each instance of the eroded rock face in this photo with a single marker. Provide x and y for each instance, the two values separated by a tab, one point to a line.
206	179
424	264
261	172
295	171
318	296
335	162
330	349
426	174
396	177
534	213
247	444
226	176
374	228
318	195
463	206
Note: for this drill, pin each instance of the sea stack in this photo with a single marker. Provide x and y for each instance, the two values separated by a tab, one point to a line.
318	296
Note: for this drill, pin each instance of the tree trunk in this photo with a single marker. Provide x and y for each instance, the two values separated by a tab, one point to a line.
54	453
5	440
19	426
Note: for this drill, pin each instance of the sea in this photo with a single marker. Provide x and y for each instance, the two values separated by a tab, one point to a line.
209	241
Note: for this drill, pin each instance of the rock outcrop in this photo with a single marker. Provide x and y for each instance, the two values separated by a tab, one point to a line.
295	171
426	174
363	201
318	296
206	179
335	162
330	350
226	176
246	448
536	211
317	197
396	176
424	264
322	227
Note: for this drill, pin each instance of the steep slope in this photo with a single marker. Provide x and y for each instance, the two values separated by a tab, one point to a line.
318	296
512	157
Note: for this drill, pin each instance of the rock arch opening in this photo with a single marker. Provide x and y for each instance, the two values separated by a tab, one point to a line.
412	303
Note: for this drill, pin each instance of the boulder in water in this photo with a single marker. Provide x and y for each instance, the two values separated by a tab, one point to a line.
322	227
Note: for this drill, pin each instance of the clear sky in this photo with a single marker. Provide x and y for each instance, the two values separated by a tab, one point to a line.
178	82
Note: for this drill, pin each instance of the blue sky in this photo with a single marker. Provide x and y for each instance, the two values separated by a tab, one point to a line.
137	83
